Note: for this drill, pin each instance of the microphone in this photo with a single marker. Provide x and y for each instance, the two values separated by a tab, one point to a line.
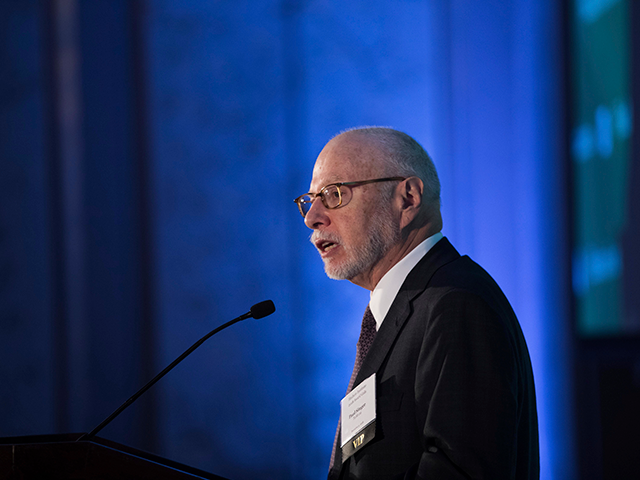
262	309
259	310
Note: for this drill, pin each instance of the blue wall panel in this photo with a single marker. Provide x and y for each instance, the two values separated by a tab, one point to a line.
26	352
222	213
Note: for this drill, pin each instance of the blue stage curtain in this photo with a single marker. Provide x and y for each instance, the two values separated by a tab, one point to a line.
238	99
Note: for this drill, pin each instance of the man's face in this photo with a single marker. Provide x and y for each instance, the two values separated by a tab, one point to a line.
354	238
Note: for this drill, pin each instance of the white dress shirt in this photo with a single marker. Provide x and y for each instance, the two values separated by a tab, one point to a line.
388	287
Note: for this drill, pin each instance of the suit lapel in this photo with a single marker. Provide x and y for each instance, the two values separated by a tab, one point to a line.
415	283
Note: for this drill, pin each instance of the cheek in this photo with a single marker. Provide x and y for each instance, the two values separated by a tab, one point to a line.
355	231
353	223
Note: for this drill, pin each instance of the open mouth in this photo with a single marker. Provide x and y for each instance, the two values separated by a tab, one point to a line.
325	245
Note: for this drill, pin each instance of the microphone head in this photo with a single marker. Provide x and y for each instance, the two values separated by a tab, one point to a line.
262	309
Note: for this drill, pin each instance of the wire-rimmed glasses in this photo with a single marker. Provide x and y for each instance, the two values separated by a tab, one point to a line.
335	195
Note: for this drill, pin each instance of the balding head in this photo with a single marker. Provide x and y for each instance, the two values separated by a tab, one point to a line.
390	202
399	155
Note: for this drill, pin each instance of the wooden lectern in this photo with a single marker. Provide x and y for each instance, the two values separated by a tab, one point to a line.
58	457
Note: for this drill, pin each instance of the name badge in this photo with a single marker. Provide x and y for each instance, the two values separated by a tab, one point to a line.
358	417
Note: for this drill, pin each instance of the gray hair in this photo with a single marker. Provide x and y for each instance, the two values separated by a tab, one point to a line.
404	156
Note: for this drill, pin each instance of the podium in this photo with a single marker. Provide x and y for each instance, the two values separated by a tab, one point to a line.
61	457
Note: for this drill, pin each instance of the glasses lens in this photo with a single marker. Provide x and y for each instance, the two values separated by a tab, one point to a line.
305	203
332	196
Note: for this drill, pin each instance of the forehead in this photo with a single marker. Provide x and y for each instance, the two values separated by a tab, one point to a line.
347	158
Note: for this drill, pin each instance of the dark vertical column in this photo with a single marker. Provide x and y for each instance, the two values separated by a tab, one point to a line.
62	58
26	379
292	41
148	367
117	261
58	304
102	333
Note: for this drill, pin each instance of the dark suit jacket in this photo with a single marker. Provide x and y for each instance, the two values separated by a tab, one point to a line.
455	392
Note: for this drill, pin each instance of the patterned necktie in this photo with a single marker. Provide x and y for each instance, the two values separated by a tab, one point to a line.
367	334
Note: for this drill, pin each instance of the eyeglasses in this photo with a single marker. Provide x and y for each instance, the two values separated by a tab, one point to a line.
335	195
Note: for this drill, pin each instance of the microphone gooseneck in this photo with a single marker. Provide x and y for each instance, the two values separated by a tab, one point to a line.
259	310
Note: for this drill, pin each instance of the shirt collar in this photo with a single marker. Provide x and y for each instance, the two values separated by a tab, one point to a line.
389	285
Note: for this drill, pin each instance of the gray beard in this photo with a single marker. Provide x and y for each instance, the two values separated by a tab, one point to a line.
382	235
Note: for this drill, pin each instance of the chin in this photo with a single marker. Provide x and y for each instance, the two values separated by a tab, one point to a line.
341	272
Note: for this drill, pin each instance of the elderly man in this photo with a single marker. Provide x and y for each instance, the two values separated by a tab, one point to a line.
442	386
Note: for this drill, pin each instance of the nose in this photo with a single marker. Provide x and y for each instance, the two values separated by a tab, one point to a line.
317	215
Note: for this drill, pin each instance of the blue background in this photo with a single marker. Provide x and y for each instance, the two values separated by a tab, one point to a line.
149	155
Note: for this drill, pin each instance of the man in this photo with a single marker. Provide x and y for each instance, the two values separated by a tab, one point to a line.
453	385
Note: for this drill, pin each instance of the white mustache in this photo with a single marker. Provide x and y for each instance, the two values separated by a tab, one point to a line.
317	236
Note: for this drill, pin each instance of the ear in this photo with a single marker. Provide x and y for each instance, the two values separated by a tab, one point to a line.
410	191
